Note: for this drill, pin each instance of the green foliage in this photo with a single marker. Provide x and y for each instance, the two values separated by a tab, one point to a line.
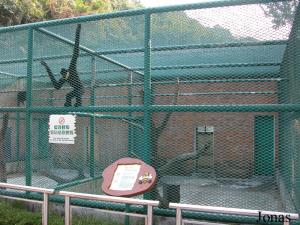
16	214
174	28
282	13
14	12
20	11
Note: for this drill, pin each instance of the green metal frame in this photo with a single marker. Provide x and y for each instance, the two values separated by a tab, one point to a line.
147	108
28	161
141	50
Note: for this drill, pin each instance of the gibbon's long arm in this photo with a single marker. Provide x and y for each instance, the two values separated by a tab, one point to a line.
73	63
57	84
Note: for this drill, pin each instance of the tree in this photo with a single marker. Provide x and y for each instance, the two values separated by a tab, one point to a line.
13	12
282	13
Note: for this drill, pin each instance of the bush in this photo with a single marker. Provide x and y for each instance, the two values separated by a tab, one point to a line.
16	214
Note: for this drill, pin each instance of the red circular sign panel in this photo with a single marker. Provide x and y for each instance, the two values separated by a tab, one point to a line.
141	183
61	120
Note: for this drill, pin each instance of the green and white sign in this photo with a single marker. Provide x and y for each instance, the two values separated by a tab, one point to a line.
62	129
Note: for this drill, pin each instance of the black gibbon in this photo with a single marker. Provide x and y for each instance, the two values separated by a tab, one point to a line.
21	97
70	75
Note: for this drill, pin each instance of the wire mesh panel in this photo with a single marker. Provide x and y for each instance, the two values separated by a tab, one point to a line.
224	57
105	77
13	67
205	93
223	159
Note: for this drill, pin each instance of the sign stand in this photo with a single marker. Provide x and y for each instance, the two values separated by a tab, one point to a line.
128	177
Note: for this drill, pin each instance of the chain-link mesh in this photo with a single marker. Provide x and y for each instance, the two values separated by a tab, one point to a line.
220	124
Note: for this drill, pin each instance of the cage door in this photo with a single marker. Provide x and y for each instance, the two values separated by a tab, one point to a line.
264	138
204	146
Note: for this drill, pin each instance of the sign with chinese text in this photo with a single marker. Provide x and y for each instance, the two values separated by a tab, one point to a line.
62	129
128	177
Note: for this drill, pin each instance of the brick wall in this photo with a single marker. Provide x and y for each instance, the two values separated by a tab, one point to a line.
233	132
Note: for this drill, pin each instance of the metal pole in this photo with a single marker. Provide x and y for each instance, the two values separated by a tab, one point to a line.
147	122
18	136
147	90
129	95
45	209
127	218
149	215
28	163
286	223
92	120
68	211
178	216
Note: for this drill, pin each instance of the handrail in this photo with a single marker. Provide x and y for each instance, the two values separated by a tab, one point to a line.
236	211
46	192
26	188
68	195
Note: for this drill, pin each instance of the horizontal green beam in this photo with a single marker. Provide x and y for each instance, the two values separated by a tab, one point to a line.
9	75
107	108
162	108
194	46
182	67
219	45
227	108
197	66
219	93
12	109
225	65
160	48
136	12
103	116
157	95
192	81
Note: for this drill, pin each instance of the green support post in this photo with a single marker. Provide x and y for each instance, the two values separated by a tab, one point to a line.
28	161
147	152
129	94
147	90
127	219
92	120
17	136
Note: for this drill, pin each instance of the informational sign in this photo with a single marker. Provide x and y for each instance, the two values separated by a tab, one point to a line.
62	129
125	177
128	177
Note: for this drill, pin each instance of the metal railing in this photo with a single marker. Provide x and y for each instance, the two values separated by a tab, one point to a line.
223	210
68	195
44	191
68	209
288	217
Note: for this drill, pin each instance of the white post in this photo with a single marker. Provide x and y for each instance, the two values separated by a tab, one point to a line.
68	212
149	215
45	210
178	216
